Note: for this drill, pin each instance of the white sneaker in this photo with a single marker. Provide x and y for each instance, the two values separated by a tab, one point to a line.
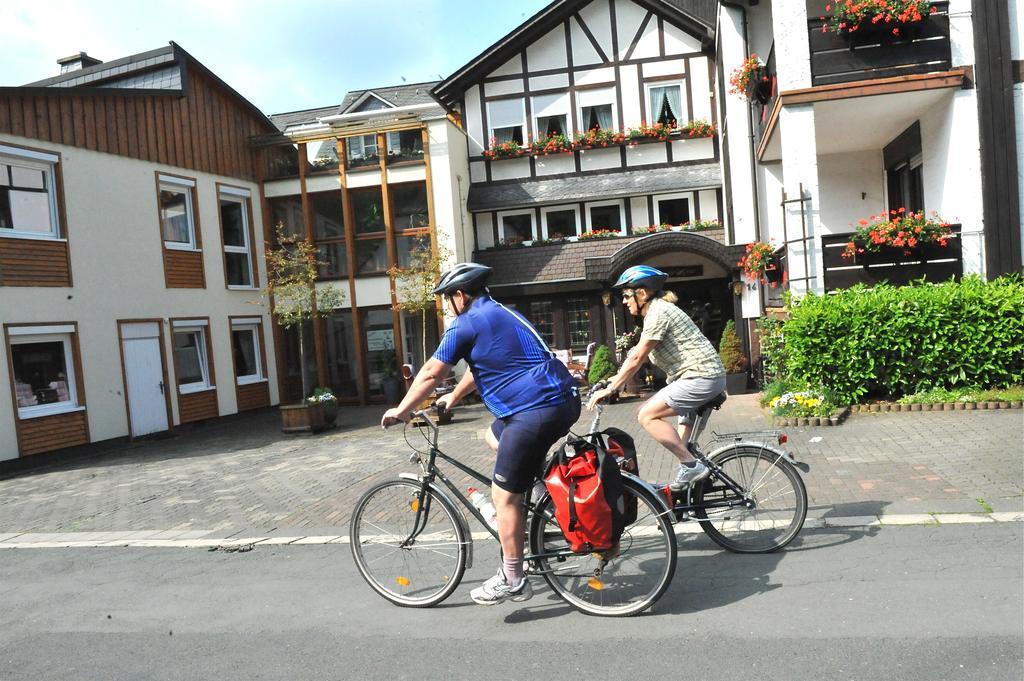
497	590
687	475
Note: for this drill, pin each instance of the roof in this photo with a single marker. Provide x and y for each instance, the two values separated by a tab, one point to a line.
396	96
616	184
588	264
696	16
160	70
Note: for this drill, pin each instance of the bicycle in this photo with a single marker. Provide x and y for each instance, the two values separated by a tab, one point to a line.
753	501
412	545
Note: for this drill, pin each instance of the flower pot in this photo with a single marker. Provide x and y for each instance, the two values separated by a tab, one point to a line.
302	418
993	405
1016	404
330	412
736	384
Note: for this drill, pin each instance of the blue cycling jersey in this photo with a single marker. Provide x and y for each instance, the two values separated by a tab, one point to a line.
513	368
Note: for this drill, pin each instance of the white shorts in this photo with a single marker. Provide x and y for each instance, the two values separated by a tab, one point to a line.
686	394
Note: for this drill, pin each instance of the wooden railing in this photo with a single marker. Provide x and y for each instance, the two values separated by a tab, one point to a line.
874	52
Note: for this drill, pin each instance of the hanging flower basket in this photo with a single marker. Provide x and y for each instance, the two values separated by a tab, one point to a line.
761	264
896	234
751	80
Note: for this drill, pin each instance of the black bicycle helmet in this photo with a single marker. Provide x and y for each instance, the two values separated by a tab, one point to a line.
468	277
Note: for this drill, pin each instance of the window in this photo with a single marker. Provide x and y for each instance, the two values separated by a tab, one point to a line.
516	227
342	363
245	346
407	245
597	109
191	362
666	102
409	202
368	210
286	211
906	185
405	145
578	312
673	210
506	118
234	225
560	222
551	115
28	199
379	333
606	215
543	319
322	155
361	151
371	256
177	214
329	233
44	370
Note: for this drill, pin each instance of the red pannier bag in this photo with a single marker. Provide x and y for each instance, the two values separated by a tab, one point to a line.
586	488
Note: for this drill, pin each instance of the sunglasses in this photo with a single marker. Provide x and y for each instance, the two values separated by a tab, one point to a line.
628	296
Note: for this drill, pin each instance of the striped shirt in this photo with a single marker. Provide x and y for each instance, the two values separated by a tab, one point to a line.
682	350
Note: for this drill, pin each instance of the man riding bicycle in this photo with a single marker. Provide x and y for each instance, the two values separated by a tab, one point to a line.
529	391
674	344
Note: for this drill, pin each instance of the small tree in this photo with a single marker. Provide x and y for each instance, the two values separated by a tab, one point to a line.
292	292
730	350
601	366
414	284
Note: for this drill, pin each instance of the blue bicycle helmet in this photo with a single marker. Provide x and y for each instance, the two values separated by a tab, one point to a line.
642	276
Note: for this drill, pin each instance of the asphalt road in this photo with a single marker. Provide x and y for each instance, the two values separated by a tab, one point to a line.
920	602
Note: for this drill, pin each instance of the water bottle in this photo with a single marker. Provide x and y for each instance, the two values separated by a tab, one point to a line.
484	505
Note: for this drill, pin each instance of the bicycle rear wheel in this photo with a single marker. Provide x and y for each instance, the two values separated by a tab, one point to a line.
779	501
624	585
412	570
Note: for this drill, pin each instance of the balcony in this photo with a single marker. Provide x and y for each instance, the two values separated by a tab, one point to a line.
874	52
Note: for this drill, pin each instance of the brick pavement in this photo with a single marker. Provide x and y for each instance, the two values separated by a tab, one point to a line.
241	475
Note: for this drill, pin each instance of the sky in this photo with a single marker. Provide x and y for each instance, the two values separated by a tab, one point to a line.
281	56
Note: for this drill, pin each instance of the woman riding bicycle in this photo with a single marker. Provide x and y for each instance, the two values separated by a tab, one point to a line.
675	345
530	392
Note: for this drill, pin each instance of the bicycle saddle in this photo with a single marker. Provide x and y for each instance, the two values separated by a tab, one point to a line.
713	403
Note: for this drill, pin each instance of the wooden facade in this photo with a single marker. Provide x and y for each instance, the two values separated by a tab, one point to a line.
34	262
203	127
198	406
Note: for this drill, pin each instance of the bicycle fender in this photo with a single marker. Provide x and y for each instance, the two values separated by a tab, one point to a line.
744	444
655	492
460	517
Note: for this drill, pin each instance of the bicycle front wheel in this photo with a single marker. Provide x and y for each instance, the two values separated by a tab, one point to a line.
623	585
408	543
777	493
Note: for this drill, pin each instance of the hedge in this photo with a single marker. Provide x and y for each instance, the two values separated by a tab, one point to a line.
892	341
601	366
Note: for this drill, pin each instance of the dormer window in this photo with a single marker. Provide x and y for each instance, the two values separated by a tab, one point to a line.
361	150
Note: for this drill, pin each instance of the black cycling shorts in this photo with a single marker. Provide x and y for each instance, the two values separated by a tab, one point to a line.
524	439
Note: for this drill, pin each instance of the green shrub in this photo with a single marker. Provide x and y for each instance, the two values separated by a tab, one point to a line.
730	350
601	366
773	350
972	394
889	342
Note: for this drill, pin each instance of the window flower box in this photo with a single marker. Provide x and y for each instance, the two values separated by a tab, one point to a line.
599	234
509	149
898	235
552	144
597	138
697	128
869	20
658	131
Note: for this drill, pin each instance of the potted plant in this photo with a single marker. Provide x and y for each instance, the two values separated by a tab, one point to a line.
328	404
295	299
698	128
751	80
897	230
733	359
658	131
500	150
760	263
555	143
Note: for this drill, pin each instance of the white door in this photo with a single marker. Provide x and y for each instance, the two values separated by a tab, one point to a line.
144	375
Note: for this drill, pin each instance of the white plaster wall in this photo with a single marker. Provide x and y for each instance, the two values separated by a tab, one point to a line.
693	149
700	87
1016	12
594	76
628	16
282	188
510	168
583	53
362	178
449	184
792	50
951	159
503	87
478	171
473	124
116	259
325	183
484	230
666	67
760	31
736	131
645	154
638	214
597	17
961	32
555	164
678	41
412	173
558	80
708	204
629	87
599	159
769	198
649	44
509	68
800	168
851	187
548	52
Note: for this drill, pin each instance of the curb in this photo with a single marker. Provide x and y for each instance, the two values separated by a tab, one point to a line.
31	540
